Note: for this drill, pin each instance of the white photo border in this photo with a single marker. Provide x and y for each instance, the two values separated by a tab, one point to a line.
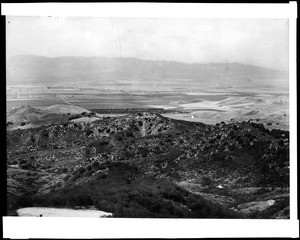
14	227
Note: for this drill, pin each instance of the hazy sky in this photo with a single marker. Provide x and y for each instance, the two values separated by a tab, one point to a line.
261	42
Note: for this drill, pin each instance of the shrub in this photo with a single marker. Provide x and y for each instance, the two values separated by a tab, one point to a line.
89	132
281	143
101	176
67	177
74	178
81	170
88	173
95	164
26	166
89	167
14	162
129	134
144	151
22	161
207	181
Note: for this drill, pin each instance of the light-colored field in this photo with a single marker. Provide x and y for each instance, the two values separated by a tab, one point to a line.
60	212
206	103
264	109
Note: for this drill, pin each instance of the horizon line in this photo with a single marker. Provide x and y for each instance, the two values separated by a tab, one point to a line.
150	60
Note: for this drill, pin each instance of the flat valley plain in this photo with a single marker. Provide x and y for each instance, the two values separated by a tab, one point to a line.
199	102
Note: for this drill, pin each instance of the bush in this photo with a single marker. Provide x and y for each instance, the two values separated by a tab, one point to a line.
22	161
101	176
88	173
89	132
74	178
207	181
67	177
26	166
144	151
81	170
95	164
127	154
89	168
14	162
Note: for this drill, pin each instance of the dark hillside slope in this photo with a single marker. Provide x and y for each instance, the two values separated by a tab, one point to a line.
139	164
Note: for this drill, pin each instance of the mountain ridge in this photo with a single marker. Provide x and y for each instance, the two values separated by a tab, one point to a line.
30	68
140	59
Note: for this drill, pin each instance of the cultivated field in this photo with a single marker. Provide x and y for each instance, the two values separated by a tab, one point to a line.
200	101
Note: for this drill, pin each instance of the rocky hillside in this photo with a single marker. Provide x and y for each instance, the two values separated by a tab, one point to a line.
146	165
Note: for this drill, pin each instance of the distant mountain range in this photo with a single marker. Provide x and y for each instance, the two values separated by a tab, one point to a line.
31	69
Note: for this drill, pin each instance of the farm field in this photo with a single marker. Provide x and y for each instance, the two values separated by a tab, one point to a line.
210	104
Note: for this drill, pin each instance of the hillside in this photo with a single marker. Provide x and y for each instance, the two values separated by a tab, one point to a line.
32	69
31	117
147	165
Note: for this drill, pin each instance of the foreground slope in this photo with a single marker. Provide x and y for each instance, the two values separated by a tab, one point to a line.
147	165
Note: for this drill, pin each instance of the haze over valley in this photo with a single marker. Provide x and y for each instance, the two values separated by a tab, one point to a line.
203	92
